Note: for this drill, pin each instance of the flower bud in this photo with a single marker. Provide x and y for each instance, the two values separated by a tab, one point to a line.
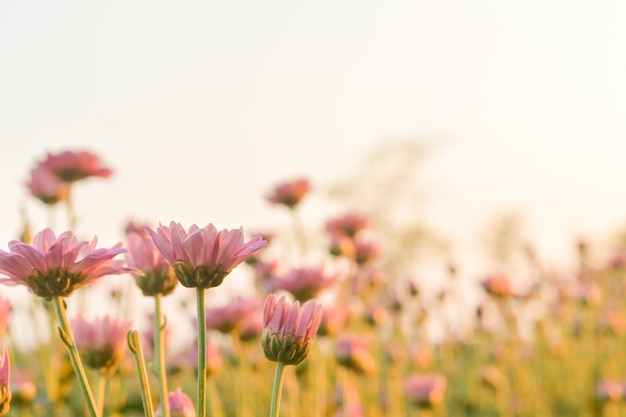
180	405
289	329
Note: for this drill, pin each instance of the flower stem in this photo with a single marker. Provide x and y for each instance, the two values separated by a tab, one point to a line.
201	402
134	345
277	390
68	339
159	352
102	386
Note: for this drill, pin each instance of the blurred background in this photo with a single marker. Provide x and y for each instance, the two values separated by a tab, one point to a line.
506	115
485	140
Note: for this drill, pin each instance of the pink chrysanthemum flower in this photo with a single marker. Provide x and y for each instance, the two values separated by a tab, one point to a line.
54	267
289	329
350	224
71	166
290	193
5	382
180	405
303	283
46	186
203	257
154	275
5	310
101	342
426	390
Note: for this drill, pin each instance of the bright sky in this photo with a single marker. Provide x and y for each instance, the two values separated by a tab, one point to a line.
200	107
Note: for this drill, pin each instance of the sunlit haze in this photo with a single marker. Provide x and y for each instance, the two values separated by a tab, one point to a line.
201	107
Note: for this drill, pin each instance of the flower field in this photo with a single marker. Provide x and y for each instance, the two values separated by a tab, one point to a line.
323	327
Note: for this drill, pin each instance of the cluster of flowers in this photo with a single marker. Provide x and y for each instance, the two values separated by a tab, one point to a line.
53	267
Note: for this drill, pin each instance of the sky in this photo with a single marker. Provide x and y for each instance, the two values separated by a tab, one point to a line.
201	107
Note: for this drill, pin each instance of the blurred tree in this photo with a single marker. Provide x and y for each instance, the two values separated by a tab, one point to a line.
388	186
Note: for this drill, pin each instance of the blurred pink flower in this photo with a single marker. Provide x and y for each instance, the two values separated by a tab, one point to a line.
154	275
334	320
353	406
5	310
610	389
180	405
303	283
342	245
425	390
265	270
54	266
250	327
376	314
289	329
497	285
101	342
365	252
45	186
23	390
5	382
350	224
290	193
352	351
71	166
203	257
229	317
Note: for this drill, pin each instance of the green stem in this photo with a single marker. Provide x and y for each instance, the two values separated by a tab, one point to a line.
134	345
68	339
102	386
159	353
201	402
277	390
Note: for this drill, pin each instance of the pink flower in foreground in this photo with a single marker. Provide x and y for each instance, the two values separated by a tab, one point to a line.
5	382
425	390
290	193
101	342
303	283
203	257
71	166
45	186
54	267
289	329
180	405
154	275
